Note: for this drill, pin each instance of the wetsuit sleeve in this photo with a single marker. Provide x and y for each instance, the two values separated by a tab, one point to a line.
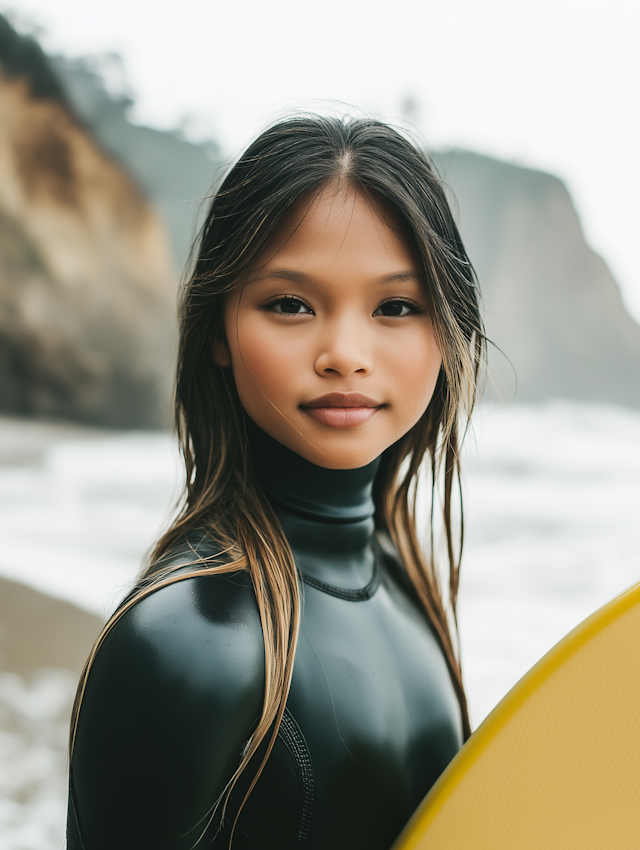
169	704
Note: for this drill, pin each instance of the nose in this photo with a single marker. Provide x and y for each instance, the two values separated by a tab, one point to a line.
345	349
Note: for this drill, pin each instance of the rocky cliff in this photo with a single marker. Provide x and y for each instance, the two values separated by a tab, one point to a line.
87	284
551	304
86	280
176	174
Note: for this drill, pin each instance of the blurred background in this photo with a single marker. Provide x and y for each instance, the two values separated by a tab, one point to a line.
115	121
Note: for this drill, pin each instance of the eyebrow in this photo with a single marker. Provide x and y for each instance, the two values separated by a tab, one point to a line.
306	280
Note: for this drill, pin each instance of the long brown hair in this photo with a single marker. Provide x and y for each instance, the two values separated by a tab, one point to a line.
297	158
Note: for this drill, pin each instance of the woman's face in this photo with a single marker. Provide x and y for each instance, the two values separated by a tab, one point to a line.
331	343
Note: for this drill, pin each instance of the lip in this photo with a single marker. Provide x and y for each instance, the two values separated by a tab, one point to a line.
343	400
342	410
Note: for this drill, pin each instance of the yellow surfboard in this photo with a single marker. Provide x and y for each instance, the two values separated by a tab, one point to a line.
556	765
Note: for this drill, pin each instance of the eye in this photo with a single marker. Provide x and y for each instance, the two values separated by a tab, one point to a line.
290	306
397	308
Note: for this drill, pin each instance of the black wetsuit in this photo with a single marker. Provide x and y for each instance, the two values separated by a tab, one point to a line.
177	687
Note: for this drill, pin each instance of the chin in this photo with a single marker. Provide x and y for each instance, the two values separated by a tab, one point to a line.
344	458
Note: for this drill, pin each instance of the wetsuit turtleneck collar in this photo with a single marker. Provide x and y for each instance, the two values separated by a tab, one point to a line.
326	515
307	490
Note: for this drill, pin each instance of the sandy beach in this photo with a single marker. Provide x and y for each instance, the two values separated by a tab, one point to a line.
43	645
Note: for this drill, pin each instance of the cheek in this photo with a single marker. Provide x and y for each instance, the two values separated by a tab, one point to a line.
415	367
259	361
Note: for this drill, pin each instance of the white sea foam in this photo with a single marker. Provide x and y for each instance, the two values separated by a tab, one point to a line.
33	734
552	506
553	500
78	515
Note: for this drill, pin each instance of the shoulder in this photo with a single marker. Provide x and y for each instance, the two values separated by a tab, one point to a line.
204	629
170	700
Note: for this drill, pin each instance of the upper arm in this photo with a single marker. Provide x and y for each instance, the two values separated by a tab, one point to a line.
169	703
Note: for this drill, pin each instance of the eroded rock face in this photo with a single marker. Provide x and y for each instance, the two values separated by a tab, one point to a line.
551	304
87	292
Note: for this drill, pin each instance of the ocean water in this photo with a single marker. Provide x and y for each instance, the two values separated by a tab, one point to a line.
553	532
552	507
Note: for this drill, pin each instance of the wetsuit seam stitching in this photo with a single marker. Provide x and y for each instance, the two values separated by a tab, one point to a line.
295	742
360	594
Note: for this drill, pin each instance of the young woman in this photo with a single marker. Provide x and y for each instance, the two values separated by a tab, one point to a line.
283	674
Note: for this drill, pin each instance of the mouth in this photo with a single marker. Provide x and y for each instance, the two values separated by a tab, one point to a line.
342	410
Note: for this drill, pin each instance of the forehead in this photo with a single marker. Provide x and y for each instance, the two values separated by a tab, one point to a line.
340	225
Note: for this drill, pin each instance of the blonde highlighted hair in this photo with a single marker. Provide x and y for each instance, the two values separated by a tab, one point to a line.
294	159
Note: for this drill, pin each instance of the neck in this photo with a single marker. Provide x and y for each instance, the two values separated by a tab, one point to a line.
326	514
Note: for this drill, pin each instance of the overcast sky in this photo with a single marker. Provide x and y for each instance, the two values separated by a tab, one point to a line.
553	84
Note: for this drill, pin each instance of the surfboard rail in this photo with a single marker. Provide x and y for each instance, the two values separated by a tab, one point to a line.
536	716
